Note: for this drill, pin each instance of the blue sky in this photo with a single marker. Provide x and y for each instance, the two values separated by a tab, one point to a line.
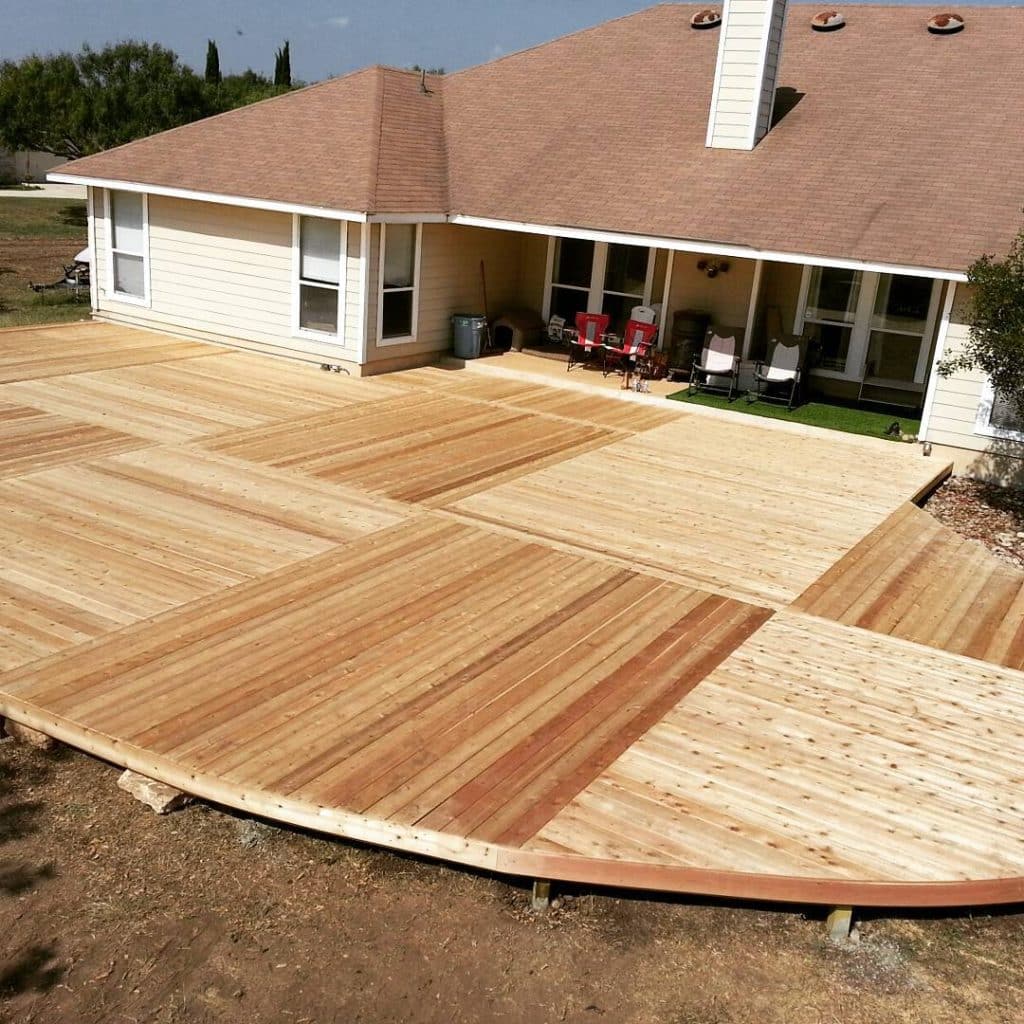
328	37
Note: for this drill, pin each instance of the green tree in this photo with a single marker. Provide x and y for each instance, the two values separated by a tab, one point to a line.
212	75
283	66
995	342
239	90
75	104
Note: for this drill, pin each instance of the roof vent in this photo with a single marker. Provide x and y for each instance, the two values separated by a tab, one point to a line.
827	21
945	24
708	18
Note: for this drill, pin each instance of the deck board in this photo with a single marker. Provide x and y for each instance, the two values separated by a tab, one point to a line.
34	440
191	398
509	625
916	579
34	353
416	447
95	545
806	743
741	510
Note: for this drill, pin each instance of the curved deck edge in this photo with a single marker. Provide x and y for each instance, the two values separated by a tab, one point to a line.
513	861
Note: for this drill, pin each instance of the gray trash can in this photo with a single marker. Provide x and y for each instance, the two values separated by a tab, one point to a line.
468	330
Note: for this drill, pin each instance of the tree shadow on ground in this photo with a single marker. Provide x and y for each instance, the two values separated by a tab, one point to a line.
74	215
35	969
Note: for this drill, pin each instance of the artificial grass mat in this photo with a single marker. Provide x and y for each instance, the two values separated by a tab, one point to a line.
849	419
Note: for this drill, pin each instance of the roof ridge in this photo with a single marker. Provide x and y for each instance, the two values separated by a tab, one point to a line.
445	149
378	135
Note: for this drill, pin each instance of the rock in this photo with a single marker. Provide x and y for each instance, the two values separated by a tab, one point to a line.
33	737
158	795
252	833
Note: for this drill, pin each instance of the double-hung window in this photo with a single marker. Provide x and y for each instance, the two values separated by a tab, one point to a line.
319	270
400	245
128	246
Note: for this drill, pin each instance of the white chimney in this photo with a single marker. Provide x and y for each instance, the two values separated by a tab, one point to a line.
749	51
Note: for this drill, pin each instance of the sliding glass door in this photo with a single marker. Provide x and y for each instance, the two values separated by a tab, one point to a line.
598	277
572	270
625	283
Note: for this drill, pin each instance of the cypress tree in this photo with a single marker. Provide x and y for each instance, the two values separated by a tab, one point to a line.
283	66
212	63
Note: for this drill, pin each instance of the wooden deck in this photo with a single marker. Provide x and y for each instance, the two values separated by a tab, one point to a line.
525	628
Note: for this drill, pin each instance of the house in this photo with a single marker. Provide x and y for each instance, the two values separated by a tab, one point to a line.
839	181
26	165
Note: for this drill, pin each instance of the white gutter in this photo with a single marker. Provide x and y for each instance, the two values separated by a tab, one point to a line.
648	241
206	197
940	351
705	248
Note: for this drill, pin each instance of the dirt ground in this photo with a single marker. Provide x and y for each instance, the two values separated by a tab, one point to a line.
37	237
984	512
37	261
111	914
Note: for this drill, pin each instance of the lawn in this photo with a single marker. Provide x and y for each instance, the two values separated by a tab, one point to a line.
42	218
37	237
848	419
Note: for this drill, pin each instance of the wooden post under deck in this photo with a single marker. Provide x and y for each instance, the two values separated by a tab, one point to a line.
540	897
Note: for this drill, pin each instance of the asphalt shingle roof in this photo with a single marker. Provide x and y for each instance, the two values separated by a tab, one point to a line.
900	146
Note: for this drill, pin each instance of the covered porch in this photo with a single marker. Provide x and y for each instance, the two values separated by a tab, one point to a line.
867	334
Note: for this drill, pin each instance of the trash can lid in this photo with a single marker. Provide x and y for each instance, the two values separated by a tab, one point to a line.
468	316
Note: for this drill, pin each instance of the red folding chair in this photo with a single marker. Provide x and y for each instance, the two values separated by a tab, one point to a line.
637	340
591	328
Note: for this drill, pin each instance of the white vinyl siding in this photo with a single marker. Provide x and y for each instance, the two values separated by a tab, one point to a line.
957	413
226	273
749	52
450	282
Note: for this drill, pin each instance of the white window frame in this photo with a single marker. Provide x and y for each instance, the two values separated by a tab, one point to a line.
983	420
861	329
297	329
108	218
596	292
383	342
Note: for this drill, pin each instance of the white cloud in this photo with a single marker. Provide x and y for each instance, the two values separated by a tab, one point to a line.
339	22
497	50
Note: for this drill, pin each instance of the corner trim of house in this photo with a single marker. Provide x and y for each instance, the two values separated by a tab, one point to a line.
91	196
703	248
364	293
940	351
